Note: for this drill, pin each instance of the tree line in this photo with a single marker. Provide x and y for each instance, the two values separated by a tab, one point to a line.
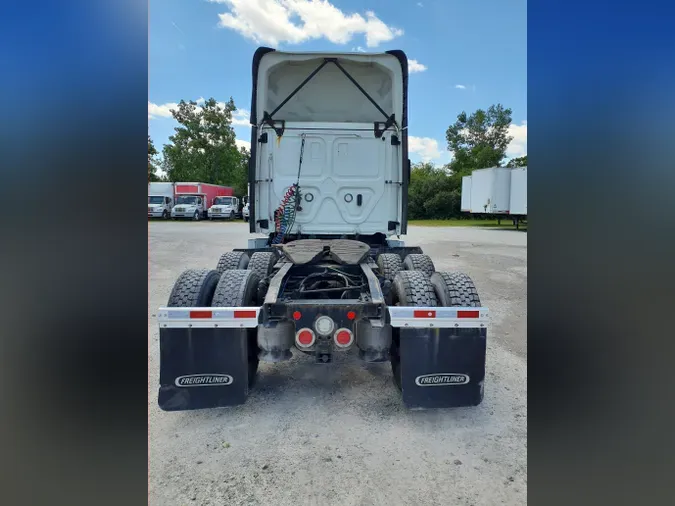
203	148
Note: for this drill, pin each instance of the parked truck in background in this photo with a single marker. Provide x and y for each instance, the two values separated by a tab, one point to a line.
224	208
329	180
160	200
193	200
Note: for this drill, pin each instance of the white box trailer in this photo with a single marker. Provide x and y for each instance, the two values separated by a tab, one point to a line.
466	194
491	190
518	197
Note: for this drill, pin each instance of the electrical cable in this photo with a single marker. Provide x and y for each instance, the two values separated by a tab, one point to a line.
284	216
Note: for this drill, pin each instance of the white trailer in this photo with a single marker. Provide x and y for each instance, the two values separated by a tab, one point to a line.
160	200
466	194
491	190
518	198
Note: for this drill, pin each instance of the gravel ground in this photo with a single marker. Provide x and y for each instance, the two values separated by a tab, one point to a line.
339	434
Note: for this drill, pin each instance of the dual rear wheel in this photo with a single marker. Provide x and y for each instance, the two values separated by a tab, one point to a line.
414	283
235	282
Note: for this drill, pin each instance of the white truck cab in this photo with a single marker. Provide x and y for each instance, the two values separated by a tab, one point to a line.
159	206
160	199
224	207
189	206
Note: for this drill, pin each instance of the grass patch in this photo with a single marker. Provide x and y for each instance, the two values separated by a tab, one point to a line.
505	224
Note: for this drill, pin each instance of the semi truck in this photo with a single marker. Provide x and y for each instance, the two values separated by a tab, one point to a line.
328	273
193	200
160	200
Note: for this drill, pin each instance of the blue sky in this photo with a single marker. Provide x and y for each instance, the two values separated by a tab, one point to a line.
464	54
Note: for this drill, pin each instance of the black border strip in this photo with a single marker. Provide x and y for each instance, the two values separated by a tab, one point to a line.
257	57
405	168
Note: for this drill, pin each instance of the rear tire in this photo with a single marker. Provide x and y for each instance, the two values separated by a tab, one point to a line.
194	288
262	263
232	260
455	289
390	265
418	262
411	288
239	288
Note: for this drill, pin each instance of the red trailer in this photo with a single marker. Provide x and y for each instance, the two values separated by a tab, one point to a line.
193	200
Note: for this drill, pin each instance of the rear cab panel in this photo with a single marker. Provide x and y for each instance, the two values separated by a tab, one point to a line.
354	173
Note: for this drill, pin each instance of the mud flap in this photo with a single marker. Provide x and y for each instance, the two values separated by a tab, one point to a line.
442	367
202	368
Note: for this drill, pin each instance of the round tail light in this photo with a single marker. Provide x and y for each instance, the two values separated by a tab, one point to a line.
324	325
343	338
304	338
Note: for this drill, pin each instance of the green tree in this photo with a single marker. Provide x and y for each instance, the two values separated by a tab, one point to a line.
152	165
517	162
433	193
203	146
479	140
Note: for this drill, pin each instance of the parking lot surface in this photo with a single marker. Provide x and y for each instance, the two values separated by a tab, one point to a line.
339	434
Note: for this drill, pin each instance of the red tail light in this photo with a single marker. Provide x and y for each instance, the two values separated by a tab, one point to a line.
343	338
424	314
201	314
245	314
304	338
468	314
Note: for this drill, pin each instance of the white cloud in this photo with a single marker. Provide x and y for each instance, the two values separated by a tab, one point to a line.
240	117
425	147
518	146
243	144
419	4
460	86
270	22
160	111
358	49
415	66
